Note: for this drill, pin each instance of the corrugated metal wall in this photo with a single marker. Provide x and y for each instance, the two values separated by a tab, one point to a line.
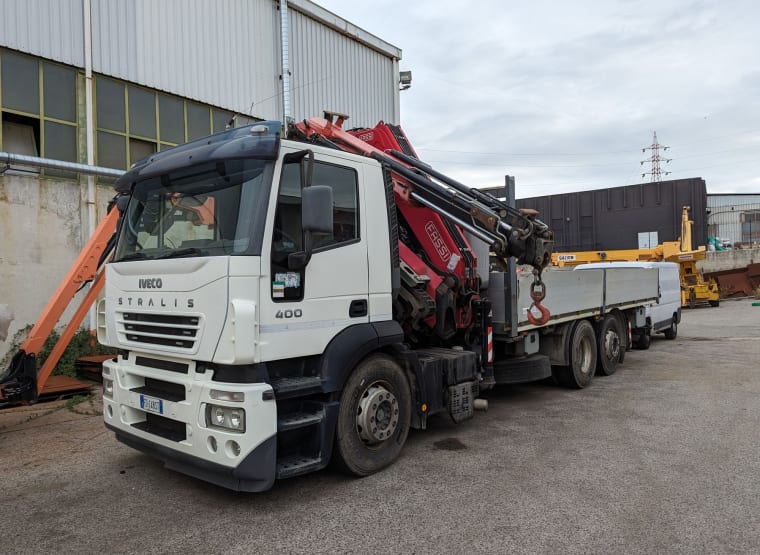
727	217
612	218
353	79
53	30
222	52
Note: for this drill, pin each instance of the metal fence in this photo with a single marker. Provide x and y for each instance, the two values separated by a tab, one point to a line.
735	225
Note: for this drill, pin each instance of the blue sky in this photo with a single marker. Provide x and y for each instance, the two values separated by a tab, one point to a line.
564	95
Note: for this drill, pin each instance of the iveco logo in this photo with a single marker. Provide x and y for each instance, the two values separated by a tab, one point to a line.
150	283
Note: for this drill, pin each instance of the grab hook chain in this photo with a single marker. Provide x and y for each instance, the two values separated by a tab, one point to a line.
537	294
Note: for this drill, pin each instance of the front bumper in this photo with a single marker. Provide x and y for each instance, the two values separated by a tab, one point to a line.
243	461
256	472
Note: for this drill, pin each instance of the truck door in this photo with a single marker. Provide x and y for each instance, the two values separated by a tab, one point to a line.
302	310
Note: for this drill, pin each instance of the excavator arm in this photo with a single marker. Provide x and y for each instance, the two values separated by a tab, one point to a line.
23	381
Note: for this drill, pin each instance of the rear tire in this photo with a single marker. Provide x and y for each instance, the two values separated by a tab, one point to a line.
672	332
714	303
373	417
609	344
643	341
625	344
582	358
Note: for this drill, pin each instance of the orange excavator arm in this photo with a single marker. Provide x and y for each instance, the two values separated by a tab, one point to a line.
23	381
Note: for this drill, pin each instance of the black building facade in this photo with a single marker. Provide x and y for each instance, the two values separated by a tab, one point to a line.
608	219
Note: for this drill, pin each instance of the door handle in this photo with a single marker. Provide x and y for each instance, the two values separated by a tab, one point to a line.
358	308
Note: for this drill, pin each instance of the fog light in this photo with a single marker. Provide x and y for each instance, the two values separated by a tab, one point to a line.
108	388
232	448
225	418
234	396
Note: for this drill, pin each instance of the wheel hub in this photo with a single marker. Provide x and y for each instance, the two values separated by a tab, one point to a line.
611	345
377	414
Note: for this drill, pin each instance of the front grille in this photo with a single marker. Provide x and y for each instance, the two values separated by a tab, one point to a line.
162	364
165	330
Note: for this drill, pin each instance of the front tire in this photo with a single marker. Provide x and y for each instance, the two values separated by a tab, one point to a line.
610	342
582	358
373	417
672	332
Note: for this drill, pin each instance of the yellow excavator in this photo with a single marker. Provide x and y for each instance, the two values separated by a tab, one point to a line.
694	288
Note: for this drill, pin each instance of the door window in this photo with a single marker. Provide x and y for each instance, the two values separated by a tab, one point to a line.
287	236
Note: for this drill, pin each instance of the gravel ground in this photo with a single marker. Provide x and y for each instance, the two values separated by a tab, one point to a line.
662	457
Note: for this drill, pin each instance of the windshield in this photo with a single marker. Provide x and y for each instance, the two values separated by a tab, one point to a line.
209	210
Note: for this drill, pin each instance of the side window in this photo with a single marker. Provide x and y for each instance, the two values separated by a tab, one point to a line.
345	211
287	236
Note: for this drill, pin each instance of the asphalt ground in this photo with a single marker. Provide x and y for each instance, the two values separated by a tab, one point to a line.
662	457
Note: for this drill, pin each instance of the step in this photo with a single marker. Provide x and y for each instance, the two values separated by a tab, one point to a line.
300	420
285	388
295	465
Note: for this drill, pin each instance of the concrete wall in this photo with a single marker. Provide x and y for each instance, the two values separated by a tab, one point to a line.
41	223
719	261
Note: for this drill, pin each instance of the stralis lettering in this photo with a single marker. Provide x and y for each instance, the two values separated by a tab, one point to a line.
150	283
159	302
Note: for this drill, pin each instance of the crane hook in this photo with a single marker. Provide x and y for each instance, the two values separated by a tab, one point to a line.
538	293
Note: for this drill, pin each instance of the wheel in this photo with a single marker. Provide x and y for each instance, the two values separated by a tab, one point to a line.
373	417
643	341
624	338
672	331
714	303
609	343
582	358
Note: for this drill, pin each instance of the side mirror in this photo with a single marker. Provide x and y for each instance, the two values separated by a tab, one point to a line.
316	217
317	209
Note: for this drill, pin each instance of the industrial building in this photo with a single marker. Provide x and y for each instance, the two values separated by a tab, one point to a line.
108	82
641	215
734	219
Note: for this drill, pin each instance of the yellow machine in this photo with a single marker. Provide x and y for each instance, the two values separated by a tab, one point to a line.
694	288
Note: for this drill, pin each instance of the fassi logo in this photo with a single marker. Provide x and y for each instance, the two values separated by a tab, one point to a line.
150	283
438	242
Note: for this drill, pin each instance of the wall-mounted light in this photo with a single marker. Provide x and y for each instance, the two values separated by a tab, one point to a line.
405	80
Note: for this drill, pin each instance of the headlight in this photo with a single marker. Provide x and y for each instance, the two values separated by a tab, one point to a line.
225	418
107	388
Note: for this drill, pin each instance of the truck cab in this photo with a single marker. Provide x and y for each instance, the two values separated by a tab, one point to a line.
242	259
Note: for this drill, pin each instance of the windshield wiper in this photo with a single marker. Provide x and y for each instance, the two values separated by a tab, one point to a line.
191	251
133	256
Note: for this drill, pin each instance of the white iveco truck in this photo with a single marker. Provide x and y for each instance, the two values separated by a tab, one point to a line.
282	302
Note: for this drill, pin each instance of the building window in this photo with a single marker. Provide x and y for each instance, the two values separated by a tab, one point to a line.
750	220
134	122
38	101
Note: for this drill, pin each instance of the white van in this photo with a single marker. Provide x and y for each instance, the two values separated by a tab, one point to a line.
662	317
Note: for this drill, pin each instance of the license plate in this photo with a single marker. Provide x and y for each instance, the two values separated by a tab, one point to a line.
151	404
